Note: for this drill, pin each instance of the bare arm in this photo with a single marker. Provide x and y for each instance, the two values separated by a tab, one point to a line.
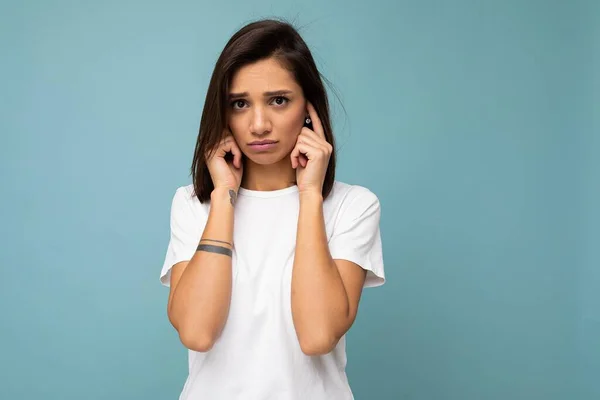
325	292
200	291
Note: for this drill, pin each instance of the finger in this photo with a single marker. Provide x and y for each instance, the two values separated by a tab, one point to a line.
298	159
315	140
303	160
299	154
229	144
311	141
237	154
311	152
221	149
294	156
224	146
316	122
319	139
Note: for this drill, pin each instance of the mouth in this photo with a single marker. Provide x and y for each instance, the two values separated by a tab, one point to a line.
261	142
262	145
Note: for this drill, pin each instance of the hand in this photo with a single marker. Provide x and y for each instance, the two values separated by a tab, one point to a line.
226	174
310	157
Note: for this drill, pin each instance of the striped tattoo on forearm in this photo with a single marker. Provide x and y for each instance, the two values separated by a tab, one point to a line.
212	248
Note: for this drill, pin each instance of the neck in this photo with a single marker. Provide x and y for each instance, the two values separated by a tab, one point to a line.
268	177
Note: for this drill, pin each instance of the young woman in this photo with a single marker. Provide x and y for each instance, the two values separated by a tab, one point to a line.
268	254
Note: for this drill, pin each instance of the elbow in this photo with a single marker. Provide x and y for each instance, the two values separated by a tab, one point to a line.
190	336
317	346
196	341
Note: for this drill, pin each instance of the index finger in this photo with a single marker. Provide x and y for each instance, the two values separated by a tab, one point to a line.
316	122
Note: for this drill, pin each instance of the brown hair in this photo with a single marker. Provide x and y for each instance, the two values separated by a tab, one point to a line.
257	41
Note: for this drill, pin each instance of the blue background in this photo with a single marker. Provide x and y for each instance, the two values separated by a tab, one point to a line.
475	122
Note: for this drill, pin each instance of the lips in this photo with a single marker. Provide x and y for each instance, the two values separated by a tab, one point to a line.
262	145
259	142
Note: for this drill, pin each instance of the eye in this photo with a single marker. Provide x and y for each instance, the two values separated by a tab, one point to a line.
238	104
280	100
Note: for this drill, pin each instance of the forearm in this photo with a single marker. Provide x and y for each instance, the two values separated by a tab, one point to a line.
320	307
201	299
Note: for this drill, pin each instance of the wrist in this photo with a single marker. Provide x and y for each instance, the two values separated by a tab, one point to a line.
224	193
311	196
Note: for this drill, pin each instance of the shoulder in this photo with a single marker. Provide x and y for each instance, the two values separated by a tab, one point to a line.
345	192
346	197
186	201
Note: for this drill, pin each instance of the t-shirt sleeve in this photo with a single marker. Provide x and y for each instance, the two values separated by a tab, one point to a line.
186	229
356	236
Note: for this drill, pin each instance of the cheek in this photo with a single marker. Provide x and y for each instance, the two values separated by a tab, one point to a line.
293	127
290	130
235	125
293	123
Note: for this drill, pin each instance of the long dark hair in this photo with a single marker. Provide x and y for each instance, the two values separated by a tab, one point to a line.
257	41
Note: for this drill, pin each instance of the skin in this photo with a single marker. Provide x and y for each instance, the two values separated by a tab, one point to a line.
258	115
267	103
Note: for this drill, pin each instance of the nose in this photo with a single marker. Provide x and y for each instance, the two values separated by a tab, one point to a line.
260	123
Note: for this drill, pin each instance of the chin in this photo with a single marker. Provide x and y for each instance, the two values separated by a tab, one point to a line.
265	158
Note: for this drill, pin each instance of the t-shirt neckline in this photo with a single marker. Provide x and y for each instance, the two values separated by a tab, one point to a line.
267	193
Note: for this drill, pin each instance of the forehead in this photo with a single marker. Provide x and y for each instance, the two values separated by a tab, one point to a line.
263	75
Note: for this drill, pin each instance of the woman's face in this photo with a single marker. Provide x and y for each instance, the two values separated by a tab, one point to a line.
265	104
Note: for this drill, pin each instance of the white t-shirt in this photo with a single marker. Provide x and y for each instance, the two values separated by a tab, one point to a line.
257	356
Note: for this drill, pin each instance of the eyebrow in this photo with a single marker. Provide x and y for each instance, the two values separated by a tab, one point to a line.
265	94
